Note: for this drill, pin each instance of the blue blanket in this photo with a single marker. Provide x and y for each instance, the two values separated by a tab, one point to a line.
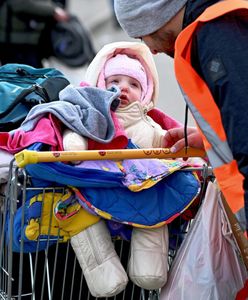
158	204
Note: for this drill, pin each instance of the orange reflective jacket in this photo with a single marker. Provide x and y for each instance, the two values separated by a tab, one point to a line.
205	110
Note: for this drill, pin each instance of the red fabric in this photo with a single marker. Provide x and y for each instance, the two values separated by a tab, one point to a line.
243	293
57	126
47	130
163	119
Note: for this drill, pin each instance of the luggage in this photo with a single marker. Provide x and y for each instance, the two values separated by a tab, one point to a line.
70	42
22	87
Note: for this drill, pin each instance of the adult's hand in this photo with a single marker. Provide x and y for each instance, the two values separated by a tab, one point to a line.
60	15
174	139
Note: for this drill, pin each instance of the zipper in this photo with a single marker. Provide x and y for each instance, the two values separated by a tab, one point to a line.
145	113
16	78
23	72
20	72
146	118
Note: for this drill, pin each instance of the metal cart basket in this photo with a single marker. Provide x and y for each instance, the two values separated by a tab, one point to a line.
54	272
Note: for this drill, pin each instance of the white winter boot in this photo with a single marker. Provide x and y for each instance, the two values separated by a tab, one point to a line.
102	269
148	264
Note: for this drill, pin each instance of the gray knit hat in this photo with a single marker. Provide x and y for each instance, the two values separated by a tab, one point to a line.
141	17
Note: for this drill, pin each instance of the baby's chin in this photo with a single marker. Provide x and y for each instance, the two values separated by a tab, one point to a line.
124	102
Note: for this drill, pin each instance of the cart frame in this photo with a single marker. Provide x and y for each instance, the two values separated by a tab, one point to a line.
13	286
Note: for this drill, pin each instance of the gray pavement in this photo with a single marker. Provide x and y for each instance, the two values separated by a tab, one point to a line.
96	16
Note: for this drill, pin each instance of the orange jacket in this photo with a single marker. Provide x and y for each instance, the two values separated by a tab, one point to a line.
205	110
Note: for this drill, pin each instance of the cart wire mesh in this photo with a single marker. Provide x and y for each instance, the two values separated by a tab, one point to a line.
54	273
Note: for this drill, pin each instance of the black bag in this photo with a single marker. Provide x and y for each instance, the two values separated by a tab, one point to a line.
22	87
68	41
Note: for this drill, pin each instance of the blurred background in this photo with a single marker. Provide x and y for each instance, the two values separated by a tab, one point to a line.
98	18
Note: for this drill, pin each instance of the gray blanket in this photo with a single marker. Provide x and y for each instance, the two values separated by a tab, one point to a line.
85	110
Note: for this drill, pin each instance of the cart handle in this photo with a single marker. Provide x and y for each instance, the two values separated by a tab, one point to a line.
32	157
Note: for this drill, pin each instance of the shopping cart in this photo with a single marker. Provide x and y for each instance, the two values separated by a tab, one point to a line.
54	272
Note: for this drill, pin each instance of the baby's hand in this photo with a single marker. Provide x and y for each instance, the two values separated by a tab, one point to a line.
72	141
60	15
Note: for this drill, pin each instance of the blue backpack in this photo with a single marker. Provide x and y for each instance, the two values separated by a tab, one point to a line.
22	87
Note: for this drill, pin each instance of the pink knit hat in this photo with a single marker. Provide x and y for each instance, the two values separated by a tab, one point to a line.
121	64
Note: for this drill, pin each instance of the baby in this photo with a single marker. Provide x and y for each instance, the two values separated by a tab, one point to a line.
130	76
130	67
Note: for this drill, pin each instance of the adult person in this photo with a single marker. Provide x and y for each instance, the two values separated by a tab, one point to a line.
21	25
208	40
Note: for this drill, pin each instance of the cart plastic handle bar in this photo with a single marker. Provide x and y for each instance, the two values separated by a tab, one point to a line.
32	157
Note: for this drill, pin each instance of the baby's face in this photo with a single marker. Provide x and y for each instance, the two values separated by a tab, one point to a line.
130	88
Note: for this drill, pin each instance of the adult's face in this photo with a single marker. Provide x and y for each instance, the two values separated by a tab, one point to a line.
161	41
